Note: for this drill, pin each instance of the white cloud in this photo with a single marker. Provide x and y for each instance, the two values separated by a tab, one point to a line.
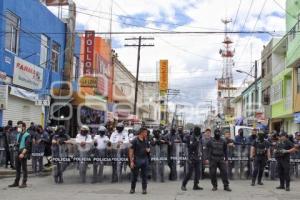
190	70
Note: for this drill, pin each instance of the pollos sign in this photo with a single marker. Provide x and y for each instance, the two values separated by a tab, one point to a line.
89	42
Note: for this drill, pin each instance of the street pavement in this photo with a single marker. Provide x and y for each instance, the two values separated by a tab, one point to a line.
44	188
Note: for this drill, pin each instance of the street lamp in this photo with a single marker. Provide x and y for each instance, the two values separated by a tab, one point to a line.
255	83
243	72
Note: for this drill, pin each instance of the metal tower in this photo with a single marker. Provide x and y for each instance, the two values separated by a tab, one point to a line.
225	83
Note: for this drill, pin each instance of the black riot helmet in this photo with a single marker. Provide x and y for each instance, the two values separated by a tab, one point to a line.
261	136
197	131
101	130
241	132
120	127
217	134
173	131
61	130
156	133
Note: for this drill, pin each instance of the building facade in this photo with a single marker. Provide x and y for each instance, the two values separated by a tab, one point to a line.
269	60
292	56
152	102
31	60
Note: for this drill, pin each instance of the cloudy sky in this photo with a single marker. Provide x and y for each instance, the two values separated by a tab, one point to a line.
194	59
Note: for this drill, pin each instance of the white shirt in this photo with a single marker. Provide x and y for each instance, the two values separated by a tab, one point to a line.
87	139
101	141
119	137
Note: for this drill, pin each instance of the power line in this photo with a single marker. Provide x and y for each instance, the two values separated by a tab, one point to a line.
285	10
257	19
237	12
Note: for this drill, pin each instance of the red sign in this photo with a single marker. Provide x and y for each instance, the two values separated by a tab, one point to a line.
57	2
89	42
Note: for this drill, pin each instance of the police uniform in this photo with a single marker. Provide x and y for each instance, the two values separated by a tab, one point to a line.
217	154
194	161
261	151
172	138
159	148
60	152
38	149
283	162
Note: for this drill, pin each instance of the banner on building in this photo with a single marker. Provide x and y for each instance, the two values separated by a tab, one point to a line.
297	118
163	78
57	2
88	81
89	42
3	96
27	75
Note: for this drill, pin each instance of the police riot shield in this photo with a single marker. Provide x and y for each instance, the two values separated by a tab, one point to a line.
246	164
177	161
2	149
82	159
37	154
60	160
100	159
231	162
240	163
119	161
295	165
272	165
158	161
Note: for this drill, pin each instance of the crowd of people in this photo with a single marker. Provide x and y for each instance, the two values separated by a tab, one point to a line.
203	149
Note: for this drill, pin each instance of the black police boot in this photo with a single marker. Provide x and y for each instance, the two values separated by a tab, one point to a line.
260	183
253	183
132	191
183	188
214	188
144	191
15	184
280	187
197	187
227	188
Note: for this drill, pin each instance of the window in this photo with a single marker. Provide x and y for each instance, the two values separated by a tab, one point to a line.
269	65
44	51
298	80
76	68
276	92
263	70
266	96
55	56
12	27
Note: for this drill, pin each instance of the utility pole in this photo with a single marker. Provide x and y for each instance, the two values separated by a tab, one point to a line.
139	45
170	92
256	89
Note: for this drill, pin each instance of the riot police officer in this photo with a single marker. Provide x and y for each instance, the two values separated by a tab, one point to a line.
194	153
59	153
38	148
172	139
282	152
260	152
218	158
102	143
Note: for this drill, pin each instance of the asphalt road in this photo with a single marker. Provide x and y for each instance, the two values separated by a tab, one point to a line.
44	188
